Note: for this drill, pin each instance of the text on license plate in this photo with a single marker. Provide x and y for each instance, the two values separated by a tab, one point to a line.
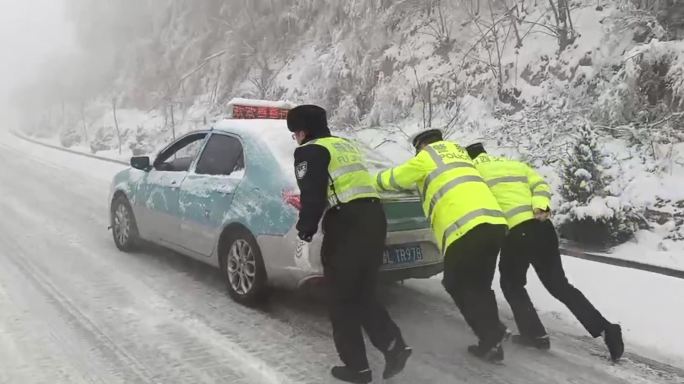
406	254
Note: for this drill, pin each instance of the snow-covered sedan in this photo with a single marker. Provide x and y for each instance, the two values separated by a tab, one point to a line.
228	196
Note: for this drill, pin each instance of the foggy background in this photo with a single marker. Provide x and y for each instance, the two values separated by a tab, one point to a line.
31	31
591	94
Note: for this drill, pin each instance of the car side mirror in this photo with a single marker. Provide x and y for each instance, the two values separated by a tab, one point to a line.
141	162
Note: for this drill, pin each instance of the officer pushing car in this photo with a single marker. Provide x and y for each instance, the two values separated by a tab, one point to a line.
525	199
468	225
335	184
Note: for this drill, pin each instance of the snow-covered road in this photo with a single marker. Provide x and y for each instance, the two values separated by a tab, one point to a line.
73	309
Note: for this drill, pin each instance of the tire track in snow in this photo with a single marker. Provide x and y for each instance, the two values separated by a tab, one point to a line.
78	317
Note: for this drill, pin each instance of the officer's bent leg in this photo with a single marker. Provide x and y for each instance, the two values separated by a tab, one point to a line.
455	276
547	263
513	267
372	232
479	297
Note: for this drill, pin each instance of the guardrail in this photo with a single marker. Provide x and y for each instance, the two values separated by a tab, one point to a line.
572	252
566	250
60	148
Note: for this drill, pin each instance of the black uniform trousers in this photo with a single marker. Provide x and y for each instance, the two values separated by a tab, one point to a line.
469	267
535	242
353	244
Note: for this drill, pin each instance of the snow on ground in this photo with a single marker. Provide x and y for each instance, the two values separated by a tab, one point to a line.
649	248
648	306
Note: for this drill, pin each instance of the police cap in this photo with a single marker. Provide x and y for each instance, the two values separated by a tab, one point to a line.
475	149
429	135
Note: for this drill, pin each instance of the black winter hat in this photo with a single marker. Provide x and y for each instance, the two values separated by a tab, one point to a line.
308	118
475	150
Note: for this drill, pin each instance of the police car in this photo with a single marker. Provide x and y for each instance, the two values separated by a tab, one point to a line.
228	196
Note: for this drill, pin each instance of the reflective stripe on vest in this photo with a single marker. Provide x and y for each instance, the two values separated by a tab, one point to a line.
518	210
339	172
379	181
507	179
464	220
448	187
537	184
543	193
441	167
393	181
350	194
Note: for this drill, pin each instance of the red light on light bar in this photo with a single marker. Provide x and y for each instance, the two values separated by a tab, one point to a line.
258	112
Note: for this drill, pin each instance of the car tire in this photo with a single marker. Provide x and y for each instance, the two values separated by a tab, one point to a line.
243	268
124	226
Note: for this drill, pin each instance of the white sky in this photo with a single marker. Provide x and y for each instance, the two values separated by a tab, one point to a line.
30	30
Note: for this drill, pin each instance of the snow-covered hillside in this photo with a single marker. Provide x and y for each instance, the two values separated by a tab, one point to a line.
591	93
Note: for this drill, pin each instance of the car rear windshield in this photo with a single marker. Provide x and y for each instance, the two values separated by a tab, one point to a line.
283	146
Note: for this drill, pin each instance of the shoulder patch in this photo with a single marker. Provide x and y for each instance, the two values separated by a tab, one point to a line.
301	168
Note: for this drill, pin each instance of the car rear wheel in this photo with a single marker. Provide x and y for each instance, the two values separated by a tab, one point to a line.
124	227
243	268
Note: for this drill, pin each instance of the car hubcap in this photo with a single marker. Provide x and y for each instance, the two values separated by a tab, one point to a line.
122	224
241	267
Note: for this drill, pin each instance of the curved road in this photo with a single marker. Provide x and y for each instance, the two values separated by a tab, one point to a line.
73	309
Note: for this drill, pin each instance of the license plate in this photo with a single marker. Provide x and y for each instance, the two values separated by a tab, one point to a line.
405	254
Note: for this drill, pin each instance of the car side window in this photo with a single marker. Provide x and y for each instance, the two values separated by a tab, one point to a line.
179	156
221	156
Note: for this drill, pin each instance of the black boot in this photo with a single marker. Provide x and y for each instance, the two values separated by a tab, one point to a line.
395	360
492	355
541	342
612	335
351	375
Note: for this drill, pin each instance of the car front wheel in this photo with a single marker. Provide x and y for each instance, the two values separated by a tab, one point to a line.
124	228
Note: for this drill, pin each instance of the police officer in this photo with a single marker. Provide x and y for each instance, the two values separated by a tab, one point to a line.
525	198
334	183
468	225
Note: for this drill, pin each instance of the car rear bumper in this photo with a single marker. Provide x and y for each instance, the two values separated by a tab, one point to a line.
289	262
392	275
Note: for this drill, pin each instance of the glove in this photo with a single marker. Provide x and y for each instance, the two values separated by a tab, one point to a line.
542	215
307	237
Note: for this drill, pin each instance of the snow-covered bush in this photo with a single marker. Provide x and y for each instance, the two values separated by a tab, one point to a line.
590	213
142	144
69	137
103	140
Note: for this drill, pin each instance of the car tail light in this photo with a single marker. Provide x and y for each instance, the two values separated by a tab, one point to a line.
293	199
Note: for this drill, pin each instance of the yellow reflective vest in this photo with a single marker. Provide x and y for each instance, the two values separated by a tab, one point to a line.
518	188
455	197
349	178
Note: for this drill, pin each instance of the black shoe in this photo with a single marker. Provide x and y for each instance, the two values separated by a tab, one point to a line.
395	360
612	335
541	342
351	375
493	355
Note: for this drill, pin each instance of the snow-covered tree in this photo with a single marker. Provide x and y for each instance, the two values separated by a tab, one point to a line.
590	213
